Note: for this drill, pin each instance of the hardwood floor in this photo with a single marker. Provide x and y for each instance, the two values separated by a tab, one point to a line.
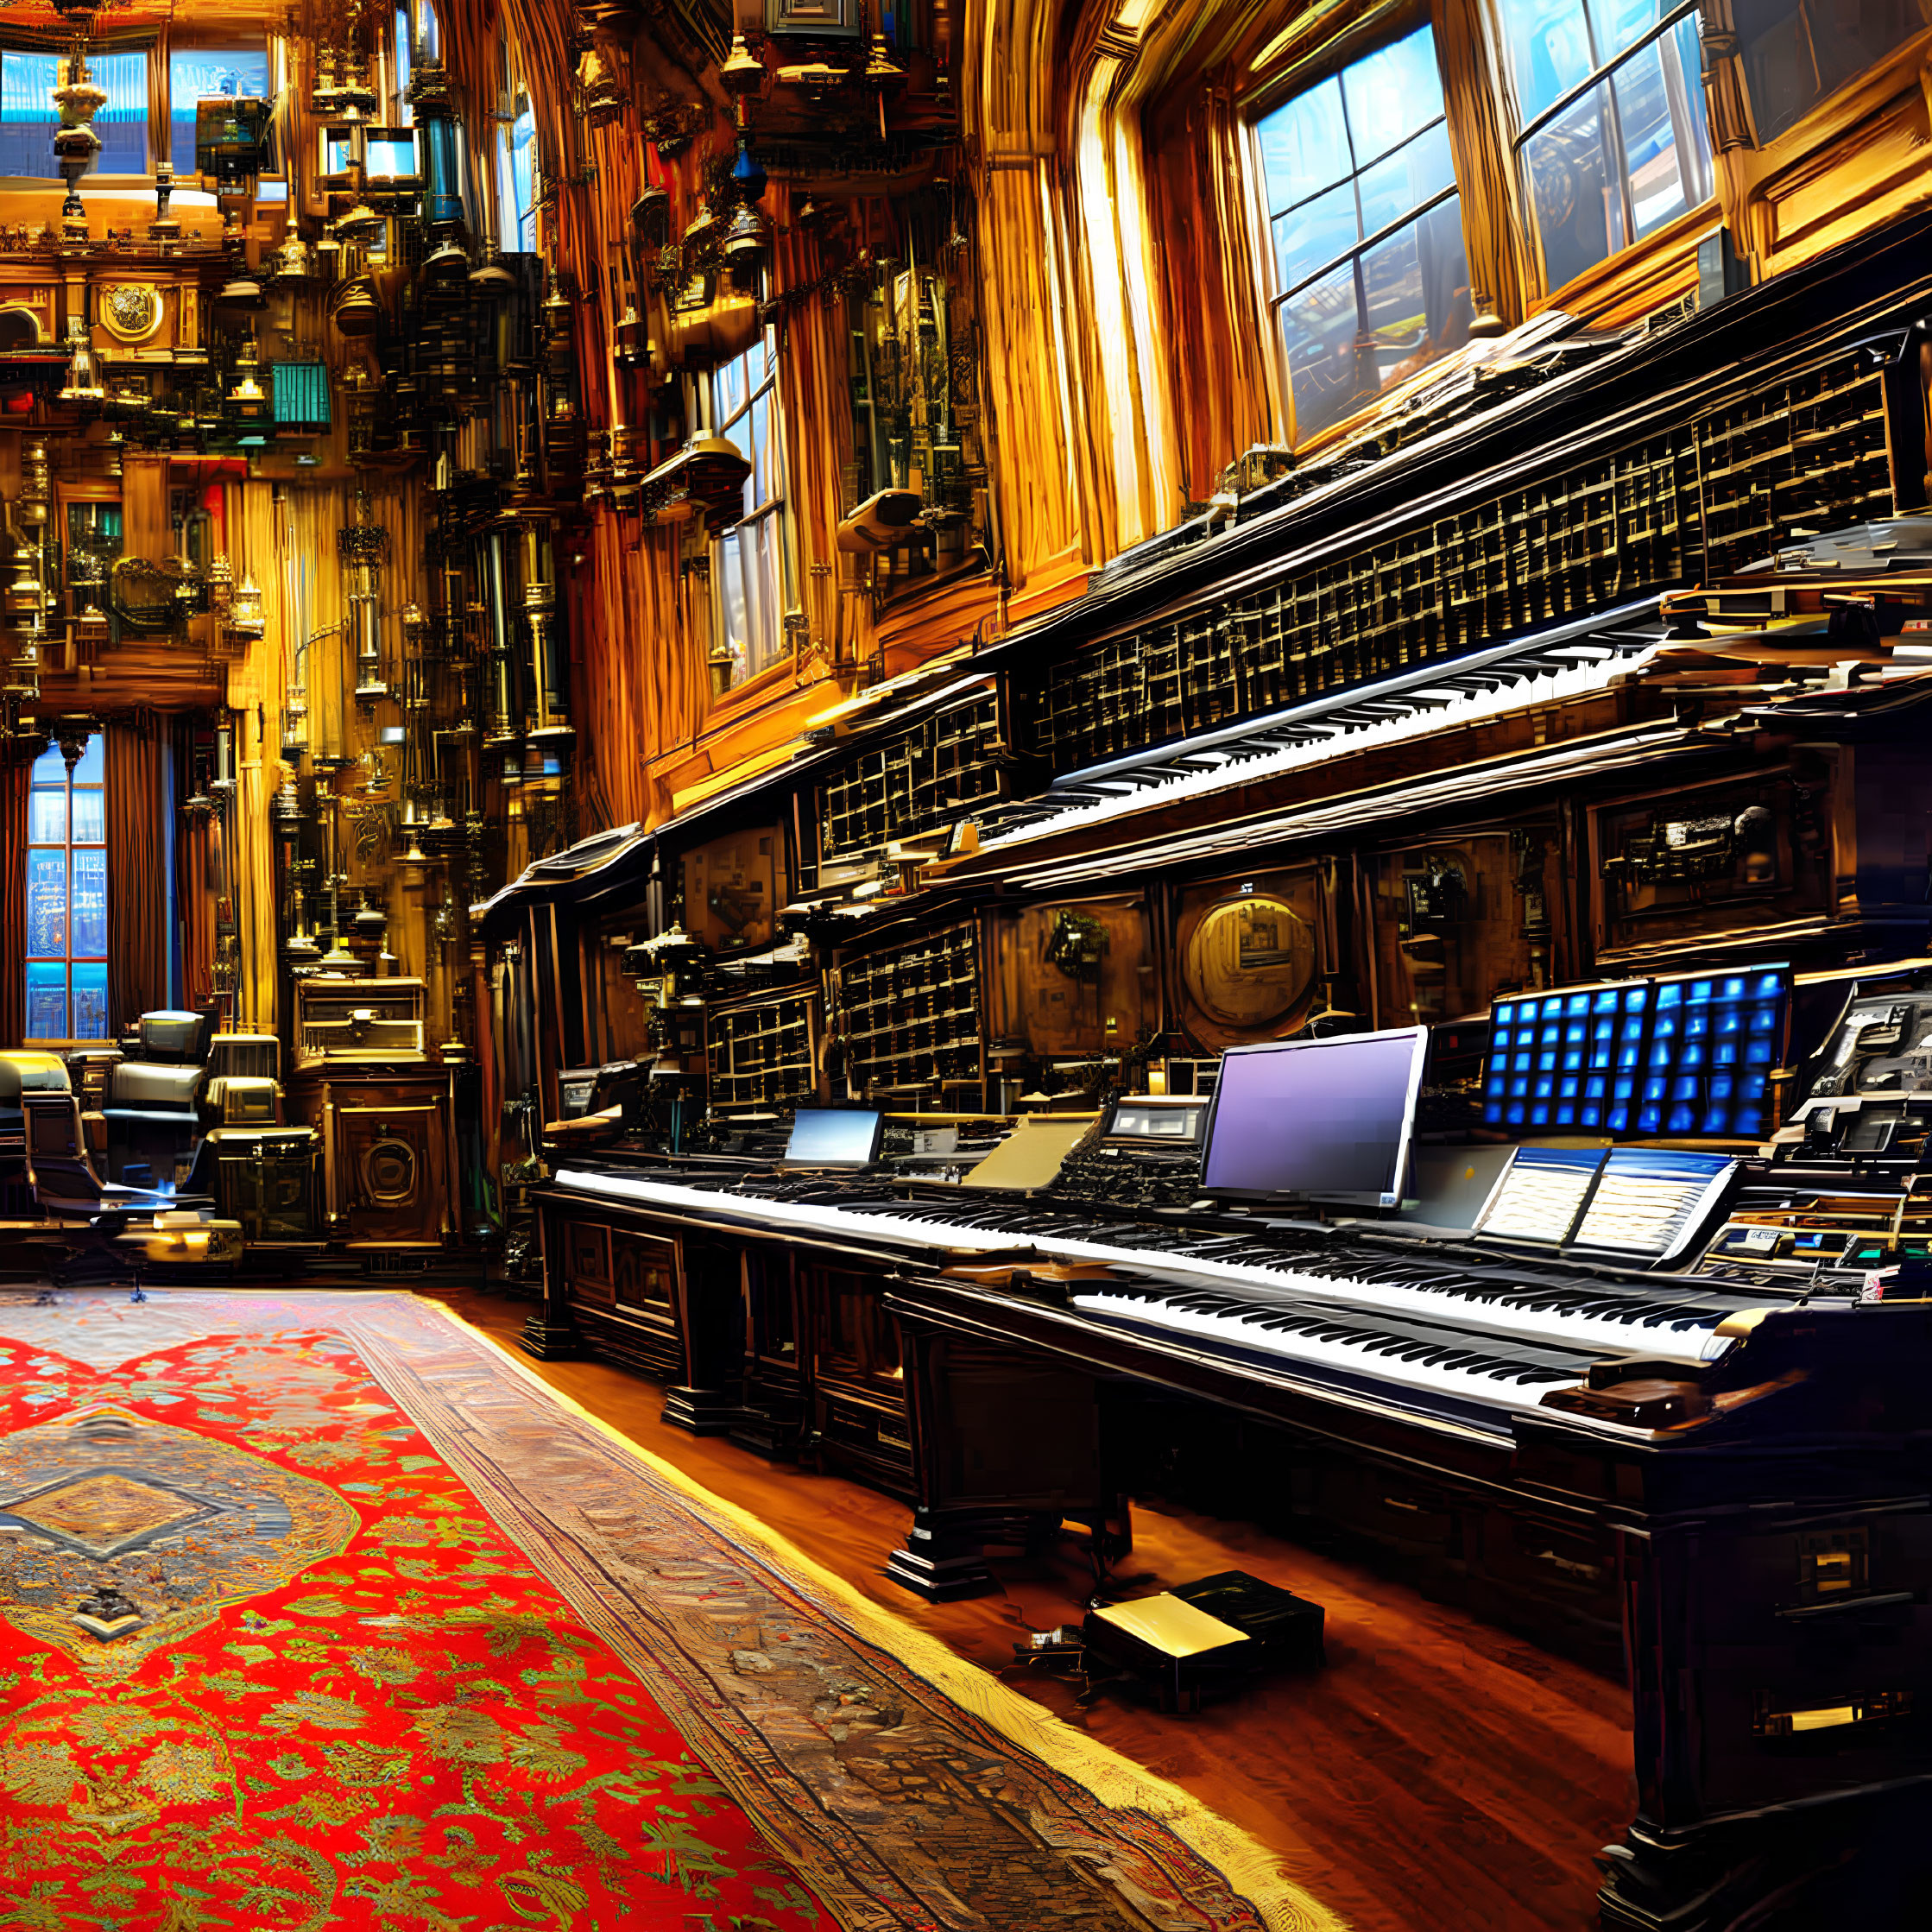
1438	1774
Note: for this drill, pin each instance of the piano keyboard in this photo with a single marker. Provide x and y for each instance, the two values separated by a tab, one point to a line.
1543	670
1529	1303
1410	1356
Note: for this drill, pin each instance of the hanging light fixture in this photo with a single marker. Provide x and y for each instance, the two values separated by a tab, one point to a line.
598	87
76	146
84	375
743	73
362	545
246	396
245	617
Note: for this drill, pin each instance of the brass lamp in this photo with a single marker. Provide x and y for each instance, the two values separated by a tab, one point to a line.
246	396
84	377
706	478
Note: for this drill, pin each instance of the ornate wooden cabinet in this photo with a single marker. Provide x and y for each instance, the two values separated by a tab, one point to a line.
388	1153
615	1284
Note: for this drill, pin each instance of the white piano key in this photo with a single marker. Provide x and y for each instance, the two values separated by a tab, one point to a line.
1689	1338
1495	1388
1506	691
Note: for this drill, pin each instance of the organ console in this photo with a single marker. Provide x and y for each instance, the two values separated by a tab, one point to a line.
1658	1398
1544	781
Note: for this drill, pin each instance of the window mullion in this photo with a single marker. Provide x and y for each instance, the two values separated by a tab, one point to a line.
1610	113
1367	242
1601	73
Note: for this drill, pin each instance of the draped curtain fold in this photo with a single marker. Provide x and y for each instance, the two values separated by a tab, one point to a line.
15	772
195	883
137	896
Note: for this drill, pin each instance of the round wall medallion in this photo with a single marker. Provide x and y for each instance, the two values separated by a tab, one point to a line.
390	1172
130	311
1248	960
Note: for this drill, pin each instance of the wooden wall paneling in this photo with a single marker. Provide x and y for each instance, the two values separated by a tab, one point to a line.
1073	978
1723	856
145	530
1361	937
1448	927
733	886
1008	72
1854	161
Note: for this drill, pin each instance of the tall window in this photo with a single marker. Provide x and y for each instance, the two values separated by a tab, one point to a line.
749	566
66	896
401	113
28	114
1371	278
1611	139
516	182
201	74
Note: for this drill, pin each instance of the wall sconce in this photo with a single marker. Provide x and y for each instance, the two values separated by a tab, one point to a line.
362	546
246	396
245	617
650	216
706	477
598	87
743	73
354	309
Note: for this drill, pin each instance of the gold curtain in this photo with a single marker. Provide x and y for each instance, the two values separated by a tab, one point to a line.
1214	291
1503	275
137	896
195	884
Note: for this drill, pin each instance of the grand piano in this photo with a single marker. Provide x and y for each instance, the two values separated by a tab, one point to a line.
1662	1405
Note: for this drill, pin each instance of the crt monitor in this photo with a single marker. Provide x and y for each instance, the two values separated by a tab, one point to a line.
1324	1120
834	1137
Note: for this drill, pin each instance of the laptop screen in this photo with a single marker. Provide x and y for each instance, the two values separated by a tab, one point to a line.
834	1137
1323	1119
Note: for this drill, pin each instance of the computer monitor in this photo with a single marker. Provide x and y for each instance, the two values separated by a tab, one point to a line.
170	1036
834	1137
1323	1119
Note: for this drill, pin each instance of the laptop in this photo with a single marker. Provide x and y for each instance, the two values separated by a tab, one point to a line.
833	1140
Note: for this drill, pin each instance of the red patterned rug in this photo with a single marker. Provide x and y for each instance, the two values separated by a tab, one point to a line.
318	1612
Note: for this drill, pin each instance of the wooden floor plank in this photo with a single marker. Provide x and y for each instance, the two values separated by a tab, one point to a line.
1438	1774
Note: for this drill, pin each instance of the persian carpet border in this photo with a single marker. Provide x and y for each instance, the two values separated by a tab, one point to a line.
1166	1861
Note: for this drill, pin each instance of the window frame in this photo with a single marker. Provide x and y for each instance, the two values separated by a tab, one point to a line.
194	43
1602	75
67	959
102	177
771	516
514	224
1352	43
160	49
